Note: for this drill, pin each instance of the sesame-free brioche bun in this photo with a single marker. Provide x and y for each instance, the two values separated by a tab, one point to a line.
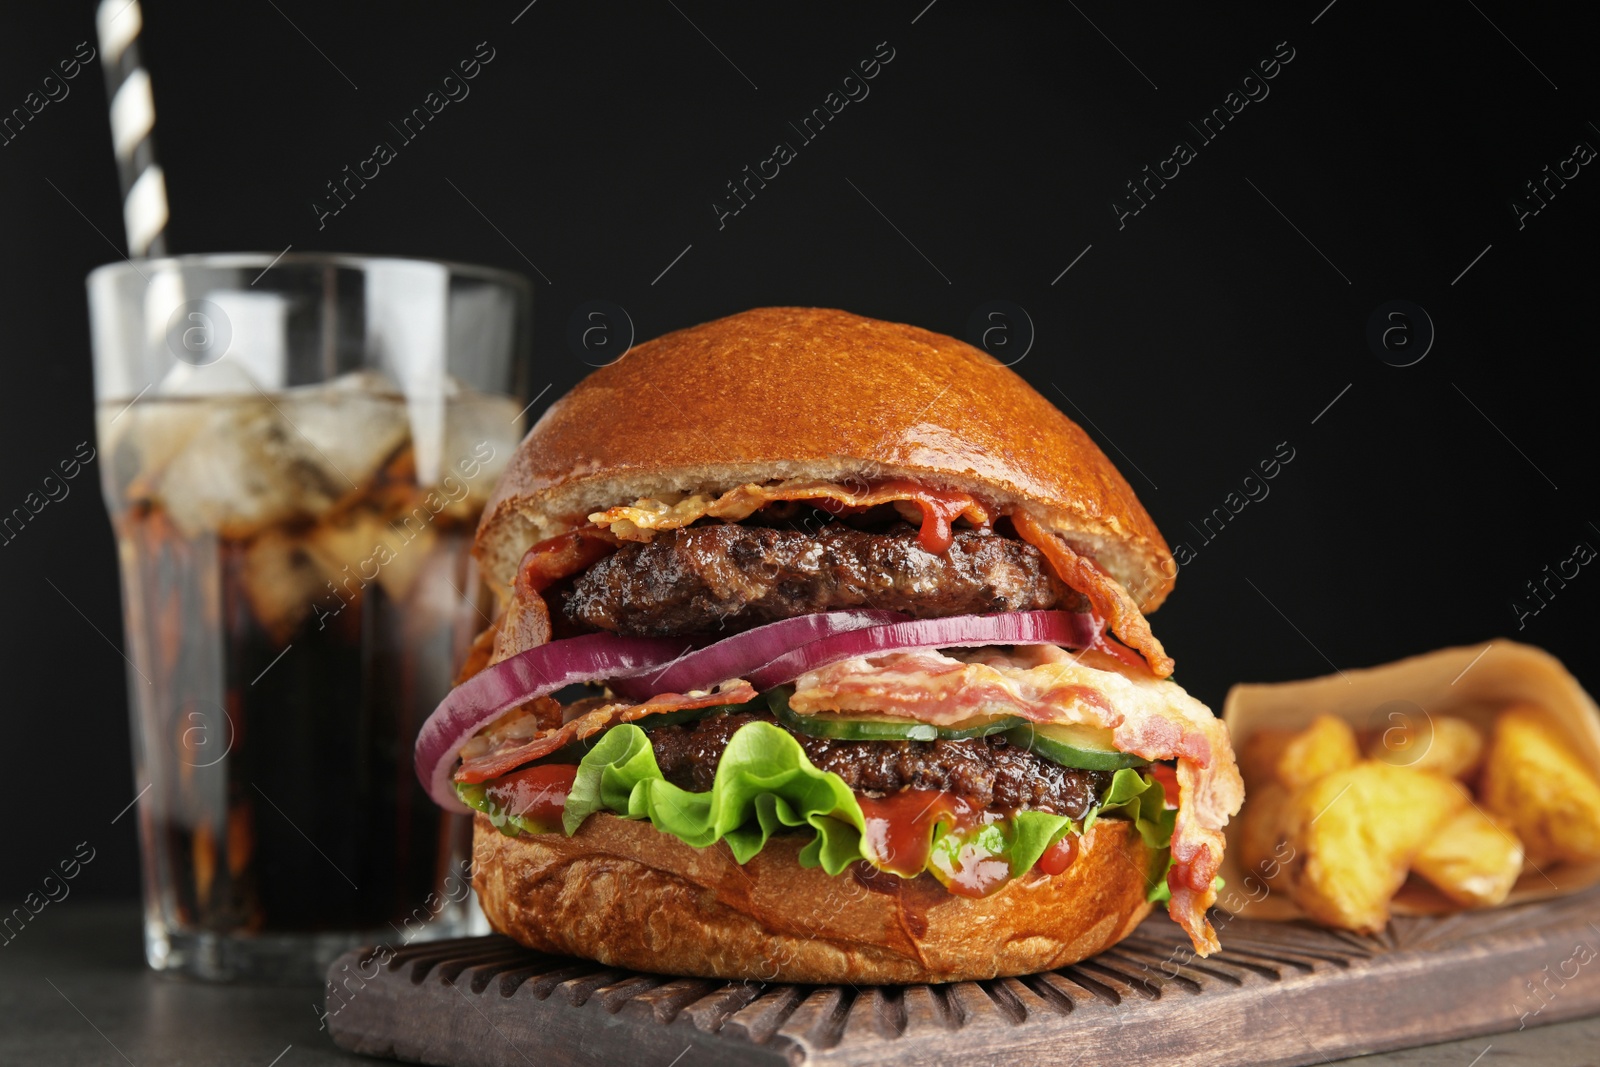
779	393
624	893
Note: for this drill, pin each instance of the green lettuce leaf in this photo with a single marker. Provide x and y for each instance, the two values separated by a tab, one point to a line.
765	784
1141	800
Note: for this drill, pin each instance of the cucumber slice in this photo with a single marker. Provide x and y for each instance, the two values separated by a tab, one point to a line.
854	728
980	727
1087	748
858	727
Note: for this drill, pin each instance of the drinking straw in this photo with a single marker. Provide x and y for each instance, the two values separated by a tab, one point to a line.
133	118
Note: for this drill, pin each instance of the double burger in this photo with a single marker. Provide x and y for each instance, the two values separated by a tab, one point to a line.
821	656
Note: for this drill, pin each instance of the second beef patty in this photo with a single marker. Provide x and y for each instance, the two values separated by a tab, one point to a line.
988	772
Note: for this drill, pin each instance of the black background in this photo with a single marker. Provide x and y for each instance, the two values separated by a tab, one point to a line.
1191	342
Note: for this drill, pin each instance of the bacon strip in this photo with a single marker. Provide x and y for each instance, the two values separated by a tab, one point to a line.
525	624
1150	718
512	752
553	559
939	507
1106	595
481	652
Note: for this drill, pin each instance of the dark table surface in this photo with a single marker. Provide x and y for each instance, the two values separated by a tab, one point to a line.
74	990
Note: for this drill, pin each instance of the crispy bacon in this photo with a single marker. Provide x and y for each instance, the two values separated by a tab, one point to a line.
498	751
1148	717
1196	856
525	623
640	520
555	558
1110	601
480	653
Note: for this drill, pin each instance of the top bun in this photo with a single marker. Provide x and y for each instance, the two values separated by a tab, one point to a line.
777	393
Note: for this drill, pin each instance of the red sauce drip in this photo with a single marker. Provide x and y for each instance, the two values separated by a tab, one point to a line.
899	828
899	838
1059	856
940	508
913	898
537	794
974	872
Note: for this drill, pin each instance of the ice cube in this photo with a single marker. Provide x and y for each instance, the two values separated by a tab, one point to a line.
281	581
353	424
228	376
142	438
360	547
244	469
480	432
411	548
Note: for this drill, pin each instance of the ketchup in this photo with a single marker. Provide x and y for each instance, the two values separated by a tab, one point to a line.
1059	856
970	861
899	828
977	867
535	794
940	508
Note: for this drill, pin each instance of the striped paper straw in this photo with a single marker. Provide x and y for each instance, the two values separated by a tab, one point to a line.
133	117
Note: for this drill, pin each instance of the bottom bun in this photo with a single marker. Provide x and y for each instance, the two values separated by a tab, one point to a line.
623	893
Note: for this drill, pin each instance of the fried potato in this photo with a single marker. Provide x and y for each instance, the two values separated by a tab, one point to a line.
1258	758
1443	744
1535	782
1355	833
1326	746
1263	825
1473	859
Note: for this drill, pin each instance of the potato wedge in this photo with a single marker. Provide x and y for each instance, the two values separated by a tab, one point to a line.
1265	825
1474	859
1533	780
1258	759
1355	833
1443	744
1326	746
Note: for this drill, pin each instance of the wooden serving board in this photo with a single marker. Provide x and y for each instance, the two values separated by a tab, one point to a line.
1277	993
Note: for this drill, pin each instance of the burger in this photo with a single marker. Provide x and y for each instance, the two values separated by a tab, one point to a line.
821	655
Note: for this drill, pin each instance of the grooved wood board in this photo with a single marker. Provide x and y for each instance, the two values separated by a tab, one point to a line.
1277	993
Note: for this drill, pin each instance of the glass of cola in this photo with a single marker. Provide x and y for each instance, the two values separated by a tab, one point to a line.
294	453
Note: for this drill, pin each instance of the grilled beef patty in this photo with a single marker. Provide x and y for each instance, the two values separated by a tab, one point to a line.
986	771
728	577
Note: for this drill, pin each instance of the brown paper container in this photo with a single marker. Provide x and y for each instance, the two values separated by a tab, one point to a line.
1472	683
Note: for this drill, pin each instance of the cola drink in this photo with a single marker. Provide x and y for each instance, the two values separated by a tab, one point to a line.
294	448
298	594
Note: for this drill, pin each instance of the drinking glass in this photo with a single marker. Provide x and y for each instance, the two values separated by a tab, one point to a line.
294	452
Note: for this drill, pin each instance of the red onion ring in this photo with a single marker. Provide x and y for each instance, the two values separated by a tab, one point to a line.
1069	629
533	673
733	657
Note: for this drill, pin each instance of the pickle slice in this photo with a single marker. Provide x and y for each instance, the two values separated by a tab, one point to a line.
857	727
1087	748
